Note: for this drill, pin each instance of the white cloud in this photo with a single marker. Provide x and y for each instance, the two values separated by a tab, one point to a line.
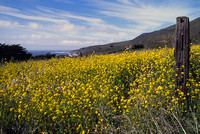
67	27
71	42
82	43
148	14
8	9
61	14
31	36
28	16
4	23
125	2
34	25
51	15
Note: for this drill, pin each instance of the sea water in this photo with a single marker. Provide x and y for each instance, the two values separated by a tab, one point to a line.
44	52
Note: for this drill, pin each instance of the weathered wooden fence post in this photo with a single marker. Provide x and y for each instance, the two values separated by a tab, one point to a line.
182	48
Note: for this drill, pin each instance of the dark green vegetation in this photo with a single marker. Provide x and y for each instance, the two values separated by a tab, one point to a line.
13	52
44	57
151	40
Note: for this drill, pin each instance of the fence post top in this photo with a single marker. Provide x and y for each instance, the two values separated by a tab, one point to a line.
182	17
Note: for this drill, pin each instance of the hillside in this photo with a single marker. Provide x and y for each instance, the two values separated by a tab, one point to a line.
153	39
121	93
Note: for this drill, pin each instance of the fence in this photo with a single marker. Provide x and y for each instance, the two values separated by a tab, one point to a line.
181	53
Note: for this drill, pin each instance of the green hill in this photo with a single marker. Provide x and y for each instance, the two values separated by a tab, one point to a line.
150	40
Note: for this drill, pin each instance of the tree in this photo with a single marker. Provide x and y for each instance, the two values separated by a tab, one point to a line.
13	52
44	57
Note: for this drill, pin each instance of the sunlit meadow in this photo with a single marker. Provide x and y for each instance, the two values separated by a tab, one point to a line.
116	93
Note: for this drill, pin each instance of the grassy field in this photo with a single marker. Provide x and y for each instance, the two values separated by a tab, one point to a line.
121	93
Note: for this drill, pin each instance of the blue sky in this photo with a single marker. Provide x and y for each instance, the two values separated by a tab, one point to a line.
72	24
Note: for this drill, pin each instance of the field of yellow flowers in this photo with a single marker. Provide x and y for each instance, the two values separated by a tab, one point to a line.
119	93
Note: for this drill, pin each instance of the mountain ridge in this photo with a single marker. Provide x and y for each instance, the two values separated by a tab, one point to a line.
155	39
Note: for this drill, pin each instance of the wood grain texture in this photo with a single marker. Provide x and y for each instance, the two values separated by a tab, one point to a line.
182	48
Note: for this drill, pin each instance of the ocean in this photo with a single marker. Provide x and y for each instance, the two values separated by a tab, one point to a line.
43	52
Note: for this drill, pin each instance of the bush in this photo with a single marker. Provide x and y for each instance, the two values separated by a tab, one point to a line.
44	57
13	52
